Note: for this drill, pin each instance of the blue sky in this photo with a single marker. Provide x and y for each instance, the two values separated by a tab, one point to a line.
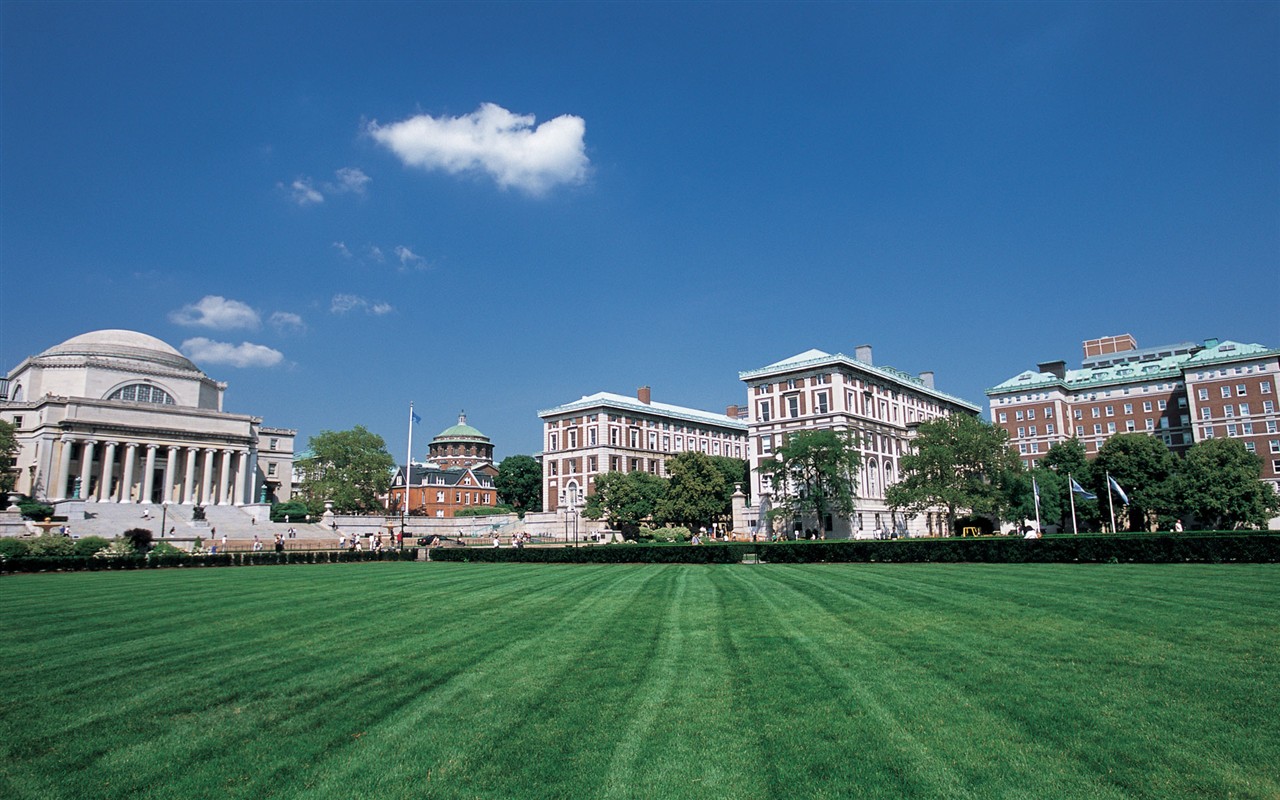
337	208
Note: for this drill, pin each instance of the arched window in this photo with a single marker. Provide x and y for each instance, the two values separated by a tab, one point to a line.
142	393
873	472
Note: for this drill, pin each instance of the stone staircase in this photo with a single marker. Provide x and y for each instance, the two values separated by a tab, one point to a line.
237	524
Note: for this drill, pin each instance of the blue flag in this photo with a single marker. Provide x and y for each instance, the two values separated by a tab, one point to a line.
414	415
1078	489
1035	488
1124	498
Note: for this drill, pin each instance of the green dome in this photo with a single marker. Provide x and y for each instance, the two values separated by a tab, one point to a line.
460	431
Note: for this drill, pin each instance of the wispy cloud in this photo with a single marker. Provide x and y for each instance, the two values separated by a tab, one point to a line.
375	253
245	354
218	313
409	259
287	322
495	141
341	247
303	193
344	303
350	180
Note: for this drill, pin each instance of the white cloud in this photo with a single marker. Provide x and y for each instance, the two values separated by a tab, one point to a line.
244	354
375	253
380	309
304	194
218	313
351	180
491	139
409	259
287	322
341	247
342	303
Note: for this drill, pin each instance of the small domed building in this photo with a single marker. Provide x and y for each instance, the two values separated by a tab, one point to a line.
462	446
117	416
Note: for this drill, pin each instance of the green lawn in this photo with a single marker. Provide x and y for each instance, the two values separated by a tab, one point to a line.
388	680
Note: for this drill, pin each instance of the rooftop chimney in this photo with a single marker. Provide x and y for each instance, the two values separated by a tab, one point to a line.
1057	369
863	353
642	394
927	379
731	412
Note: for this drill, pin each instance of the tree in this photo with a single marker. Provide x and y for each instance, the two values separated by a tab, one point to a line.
625	499
955	462
816	475
519	483
8	452
1143	466
351	468
695	495
1021	499
1069	461
1220	483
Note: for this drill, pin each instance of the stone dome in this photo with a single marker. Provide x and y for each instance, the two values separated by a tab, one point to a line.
121	344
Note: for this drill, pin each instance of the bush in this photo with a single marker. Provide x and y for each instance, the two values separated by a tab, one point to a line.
32	509
482	511
295	510
90	545
665	534
139	539
13	548
52	544
166	549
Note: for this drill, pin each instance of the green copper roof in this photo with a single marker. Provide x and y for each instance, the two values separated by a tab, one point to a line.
461	431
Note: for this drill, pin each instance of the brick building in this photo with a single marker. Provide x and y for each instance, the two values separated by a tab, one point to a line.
607	432
1182	393
882	405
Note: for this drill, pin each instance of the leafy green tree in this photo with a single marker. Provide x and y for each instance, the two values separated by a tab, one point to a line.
1021	500
1143	466
955	462
519	483
1069	461
625	500
52	544
1219	482
8	453
696	492
351	468
139	539
89	545
815	475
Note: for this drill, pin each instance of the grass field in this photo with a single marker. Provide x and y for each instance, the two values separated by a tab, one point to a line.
463	680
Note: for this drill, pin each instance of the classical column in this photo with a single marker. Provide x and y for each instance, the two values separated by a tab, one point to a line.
170	465
224	479
206	478
126	479
64	449
242	472
108	472
148	475
86	469
189	478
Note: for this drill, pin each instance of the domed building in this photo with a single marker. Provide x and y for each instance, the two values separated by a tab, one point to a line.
462	446
118	416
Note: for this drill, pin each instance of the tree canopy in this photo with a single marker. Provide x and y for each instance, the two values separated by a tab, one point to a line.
351	468
698	494
8	451
955	462
1143	466
625	499
519	483
815	475
1219	482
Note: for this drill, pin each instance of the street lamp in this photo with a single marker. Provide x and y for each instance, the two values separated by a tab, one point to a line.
164	515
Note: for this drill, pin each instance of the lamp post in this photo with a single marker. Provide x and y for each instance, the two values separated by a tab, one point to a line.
164	515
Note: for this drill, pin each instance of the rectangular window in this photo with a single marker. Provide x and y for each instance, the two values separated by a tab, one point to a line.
1230	410
653	440
1151	424
635	438
765	410
591	437
271	469
1241	390
1268	407
1111	427
1128	426
1019	416
1265	387
1231	430
1095	412
1246	428
1004	417
1079	413
1022	432
1079	430
1097	429
1031	430
1205	413
273	444
1244	409
1275	445
793	406
1048	413
1111	411
439	497
1146	405
1226	391
1251	447
1031	413
555	441
823	404
1162	405
613	436
1128	408
1204	394
1048	429
573	439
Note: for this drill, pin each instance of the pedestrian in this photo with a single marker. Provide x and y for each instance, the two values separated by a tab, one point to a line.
214	532
496	541
342	542
146	513
171	530
1177	526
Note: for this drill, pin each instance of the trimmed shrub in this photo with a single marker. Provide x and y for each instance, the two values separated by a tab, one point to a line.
13	548
52	544
90	545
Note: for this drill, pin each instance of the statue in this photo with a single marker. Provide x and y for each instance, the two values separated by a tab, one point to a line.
197	514
75	492
262	495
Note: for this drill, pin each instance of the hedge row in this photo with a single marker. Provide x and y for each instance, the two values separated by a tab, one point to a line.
608	554
1140	548
95	564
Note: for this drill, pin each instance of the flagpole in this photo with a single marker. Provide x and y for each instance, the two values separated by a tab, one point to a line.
1111	501
1035	489
408	471
1071	492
